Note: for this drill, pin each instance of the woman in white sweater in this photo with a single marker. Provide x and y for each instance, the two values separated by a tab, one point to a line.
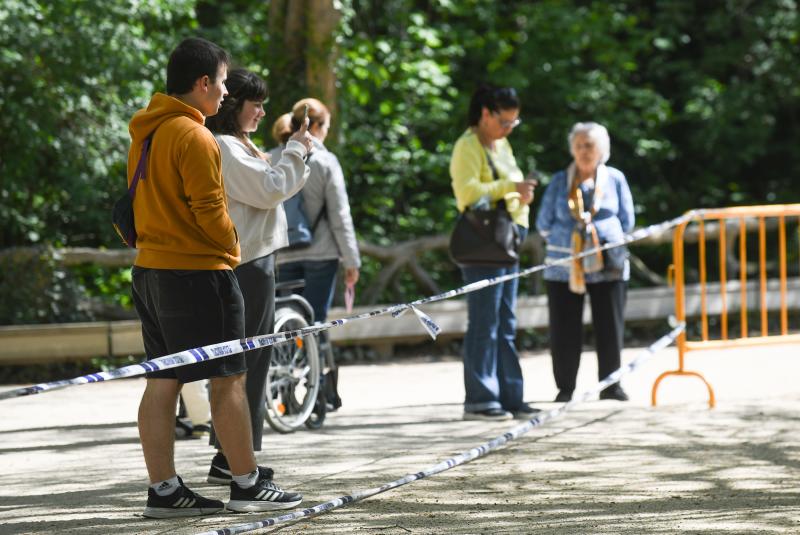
256	190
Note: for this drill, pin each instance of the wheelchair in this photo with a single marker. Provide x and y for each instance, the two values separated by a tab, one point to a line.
293	394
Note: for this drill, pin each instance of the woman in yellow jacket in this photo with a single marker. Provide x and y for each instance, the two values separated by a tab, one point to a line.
484	171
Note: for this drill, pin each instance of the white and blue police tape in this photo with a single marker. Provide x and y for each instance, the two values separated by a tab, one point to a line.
464	457
183	358
223	349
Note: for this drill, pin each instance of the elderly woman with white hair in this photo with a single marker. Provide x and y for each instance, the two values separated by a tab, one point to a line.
586	205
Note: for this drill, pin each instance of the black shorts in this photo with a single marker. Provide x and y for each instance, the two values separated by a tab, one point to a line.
184	309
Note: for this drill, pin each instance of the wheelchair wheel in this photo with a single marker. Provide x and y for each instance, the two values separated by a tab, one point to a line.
293	379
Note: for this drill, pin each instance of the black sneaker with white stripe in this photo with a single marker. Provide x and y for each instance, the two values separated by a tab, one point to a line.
183	502
265	495
220	472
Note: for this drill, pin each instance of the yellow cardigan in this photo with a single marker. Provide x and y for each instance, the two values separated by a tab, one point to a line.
472	177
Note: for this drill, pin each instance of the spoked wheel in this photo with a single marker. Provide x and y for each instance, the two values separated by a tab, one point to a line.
293	379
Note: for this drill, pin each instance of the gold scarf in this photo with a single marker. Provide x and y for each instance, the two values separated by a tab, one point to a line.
584	234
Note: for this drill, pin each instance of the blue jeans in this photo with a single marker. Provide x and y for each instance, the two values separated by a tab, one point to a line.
492	374
320	277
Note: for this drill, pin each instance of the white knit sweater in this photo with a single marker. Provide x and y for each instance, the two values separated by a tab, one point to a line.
256	190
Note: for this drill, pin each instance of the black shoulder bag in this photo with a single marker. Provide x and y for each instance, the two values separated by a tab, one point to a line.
485	237
122	213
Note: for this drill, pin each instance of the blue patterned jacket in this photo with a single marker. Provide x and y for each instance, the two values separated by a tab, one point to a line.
614	218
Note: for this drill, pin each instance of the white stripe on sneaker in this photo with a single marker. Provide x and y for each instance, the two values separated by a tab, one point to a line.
191	504
261	494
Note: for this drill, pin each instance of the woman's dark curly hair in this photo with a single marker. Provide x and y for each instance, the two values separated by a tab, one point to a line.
243	85
492	98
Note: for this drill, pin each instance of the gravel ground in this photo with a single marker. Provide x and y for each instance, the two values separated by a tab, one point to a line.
73	463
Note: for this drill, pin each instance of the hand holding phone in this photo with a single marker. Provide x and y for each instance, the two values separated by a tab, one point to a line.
525	190
534	178
303	135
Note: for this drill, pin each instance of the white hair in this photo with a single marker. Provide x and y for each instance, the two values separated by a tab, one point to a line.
597	133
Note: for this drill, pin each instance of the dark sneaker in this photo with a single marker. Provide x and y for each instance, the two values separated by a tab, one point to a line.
220	472
265	495
183	502
564	396
183	428
488	414
614	392
525	412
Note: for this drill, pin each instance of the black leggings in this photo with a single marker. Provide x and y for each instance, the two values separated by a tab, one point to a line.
257	280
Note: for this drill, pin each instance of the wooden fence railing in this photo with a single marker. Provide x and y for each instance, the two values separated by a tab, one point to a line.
30	344
44	343
401	257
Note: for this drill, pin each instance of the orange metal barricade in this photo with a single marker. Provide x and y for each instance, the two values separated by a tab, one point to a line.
738	220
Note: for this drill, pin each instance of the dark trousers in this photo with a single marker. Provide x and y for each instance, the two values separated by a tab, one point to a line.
566	328
320	279
320	283
257	281
185	309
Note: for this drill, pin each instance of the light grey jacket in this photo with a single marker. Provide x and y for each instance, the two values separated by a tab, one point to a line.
256	191
334	236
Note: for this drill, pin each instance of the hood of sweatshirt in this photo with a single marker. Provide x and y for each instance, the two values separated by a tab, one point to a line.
161	108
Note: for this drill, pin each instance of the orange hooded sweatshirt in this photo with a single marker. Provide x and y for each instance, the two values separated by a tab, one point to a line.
180	207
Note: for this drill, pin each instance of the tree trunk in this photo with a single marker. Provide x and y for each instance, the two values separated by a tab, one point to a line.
323	19
302	55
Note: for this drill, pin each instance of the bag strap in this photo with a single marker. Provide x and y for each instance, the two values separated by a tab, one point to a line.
141	167
323	211
491	165
502	202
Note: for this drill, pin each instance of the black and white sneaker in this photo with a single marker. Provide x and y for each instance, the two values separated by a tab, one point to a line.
183	502
265	495
220	472
525	412
488	415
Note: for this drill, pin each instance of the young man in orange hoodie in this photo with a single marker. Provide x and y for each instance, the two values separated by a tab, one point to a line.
184	288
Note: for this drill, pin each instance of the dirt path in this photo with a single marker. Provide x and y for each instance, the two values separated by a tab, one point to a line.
72	462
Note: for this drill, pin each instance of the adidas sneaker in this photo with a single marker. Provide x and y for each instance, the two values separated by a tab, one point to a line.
182	502
265	495
220	472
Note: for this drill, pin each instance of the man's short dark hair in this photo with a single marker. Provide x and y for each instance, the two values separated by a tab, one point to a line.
193	58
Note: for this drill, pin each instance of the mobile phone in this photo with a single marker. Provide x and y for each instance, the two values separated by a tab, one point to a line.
305	113
534	177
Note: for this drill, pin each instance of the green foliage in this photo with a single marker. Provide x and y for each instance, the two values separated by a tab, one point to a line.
111	284
36	289
396	98
701	100
73	74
